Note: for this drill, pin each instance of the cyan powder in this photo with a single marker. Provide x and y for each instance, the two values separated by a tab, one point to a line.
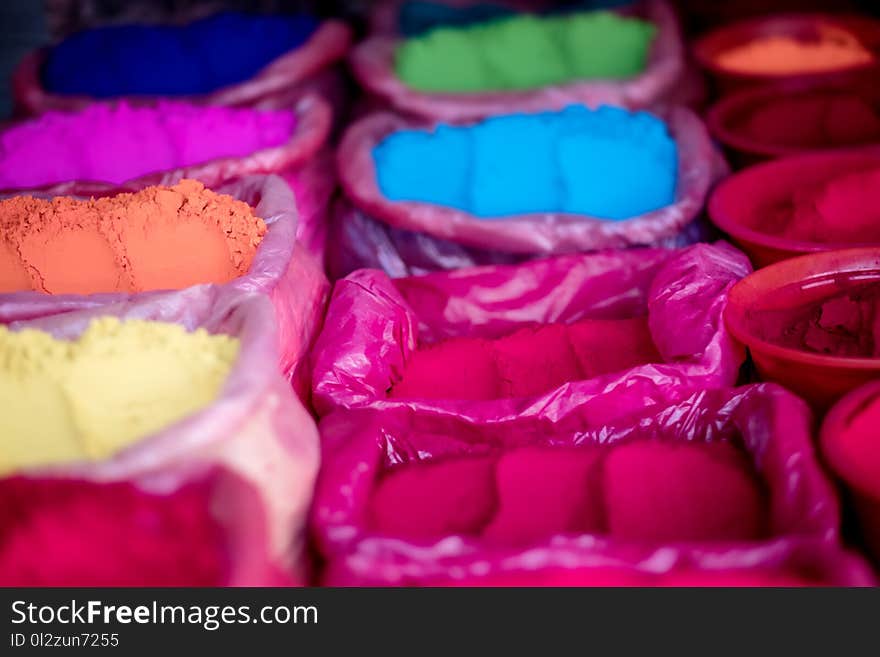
172	60
607	163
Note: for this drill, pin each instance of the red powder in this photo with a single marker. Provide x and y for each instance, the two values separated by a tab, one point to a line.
681	492
76	533
530	362
857	446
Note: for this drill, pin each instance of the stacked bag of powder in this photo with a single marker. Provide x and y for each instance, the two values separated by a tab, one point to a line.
631	56
607	333
106	147
421	197
153	442
230	58
64	254
719	488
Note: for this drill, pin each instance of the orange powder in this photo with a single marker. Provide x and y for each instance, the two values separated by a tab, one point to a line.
158	238
784	55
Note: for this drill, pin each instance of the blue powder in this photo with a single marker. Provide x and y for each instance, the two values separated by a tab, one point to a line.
165	60
607	163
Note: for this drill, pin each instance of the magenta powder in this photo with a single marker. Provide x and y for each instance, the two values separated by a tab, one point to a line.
117	142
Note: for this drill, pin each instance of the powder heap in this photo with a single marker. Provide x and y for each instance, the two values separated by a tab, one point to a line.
638	491
529	362
832	49
814	120
89	398
608	163
525	52
172	60
844	323
115	143
844	209
858	450
158	238
78	533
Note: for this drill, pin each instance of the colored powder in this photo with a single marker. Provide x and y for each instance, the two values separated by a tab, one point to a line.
658	491
115	143
525	52
529	362
857	446
78	533
820	120
158	238
845	322
607	163
156	60
87	399
832	49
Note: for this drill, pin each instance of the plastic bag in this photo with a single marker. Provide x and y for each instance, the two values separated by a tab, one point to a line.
295	71
255	448
769	424
372	63
282	270
431	237
378	323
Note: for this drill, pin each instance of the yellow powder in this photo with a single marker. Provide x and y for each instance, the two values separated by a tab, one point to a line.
87	399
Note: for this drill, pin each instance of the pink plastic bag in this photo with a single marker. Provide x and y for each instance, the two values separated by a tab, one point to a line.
299	70
438	237
282	270
768	424
372	63
255	446
377	324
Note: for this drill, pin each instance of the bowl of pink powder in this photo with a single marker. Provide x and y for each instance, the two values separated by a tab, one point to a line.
812	323
802	204
797	46
850	447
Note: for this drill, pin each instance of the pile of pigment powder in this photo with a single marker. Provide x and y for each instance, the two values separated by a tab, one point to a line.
89	398
172	60
529	362
118	142
857	449
842	210
821	119
638	491
159	238
608	163
525	52
832	49
844	323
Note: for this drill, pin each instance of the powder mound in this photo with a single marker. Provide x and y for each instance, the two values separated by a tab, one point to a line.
832	49
857	446
529	362
119	382
525	52
77	533
172	60
608	163
159	238
119	142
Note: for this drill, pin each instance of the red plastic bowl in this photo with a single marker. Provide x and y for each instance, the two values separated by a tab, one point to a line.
738	205
820	379
864	486
799	25
728	117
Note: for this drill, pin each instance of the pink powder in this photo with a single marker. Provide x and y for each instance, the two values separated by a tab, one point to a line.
533	361
117	142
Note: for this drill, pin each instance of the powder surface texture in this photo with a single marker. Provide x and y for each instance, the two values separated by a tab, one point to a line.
115	143
78	533
607	163
158	238
119	382
529	362
834	48
525	52
172	60
857	444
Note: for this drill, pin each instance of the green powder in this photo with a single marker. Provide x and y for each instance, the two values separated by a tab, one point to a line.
526	52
